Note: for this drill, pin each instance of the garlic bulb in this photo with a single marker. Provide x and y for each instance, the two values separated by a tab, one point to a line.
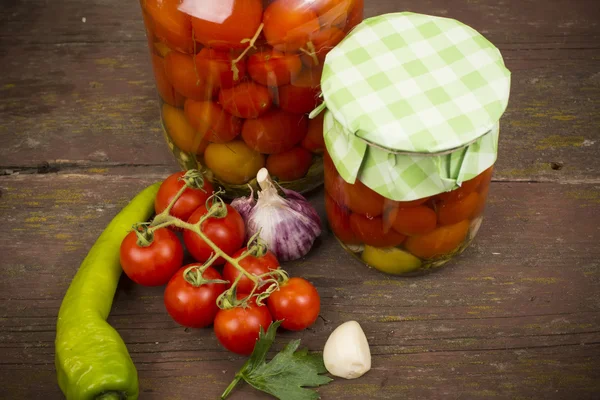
289	226
346	353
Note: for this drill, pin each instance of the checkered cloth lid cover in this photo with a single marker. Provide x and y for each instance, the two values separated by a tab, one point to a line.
413	103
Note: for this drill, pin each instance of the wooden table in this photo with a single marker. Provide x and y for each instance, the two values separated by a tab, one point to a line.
517	316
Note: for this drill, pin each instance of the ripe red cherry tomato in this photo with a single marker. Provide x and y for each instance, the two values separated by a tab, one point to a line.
290	165
155	264
165	89
211	121
297	303
314	140
170	25
254	265
193	306
339	221
227	29
214	68
323	42
289	24
227	233
273	68
182	74
246	100
237	328
275	132
189	201
372	231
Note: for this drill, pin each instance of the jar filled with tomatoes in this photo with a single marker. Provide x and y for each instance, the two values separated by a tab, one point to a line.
411	109
236	80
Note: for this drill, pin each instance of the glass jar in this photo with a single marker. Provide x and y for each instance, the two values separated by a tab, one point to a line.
404	237
236	79
412	106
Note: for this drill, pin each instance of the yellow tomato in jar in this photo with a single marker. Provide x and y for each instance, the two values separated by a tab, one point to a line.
233	162
390	260
181	132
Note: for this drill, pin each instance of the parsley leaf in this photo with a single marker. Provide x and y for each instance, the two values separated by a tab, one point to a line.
287	375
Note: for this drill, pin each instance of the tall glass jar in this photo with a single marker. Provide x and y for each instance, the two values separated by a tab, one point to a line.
236	79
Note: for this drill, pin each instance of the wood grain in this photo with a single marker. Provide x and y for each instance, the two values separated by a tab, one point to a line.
518	315
95	100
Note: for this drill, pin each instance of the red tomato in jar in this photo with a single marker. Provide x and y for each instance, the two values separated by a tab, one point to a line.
298	100
166	91
450	213
483	195
151	265
189	201
237	329
466	188
412	221
296	303
170	25
289	24
339	221
334	13
193	306
246	100
309	78
211	121
227	233
371	231
274	132
273	68
303	94
356	15
290	165
357	197
226	26
314	140
185	79
254	265
323	42
439	242
214	67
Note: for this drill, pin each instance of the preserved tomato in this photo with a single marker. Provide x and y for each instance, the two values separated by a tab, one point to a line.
245	74
403	237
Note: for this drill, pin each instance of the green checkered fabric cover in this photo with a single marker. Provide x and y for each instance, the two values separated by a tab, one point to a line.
417	85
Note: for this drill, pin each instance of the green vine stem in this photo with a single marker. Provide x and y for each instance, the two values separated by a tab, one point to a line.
251	42
145	236
193	274
217	209
311	52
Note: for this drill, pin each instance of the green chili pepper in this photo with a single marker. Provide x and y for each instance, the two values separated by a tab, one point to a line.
91	360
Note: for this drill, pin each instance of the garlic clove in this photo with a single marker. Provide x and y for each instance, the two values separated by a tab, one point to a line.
346	353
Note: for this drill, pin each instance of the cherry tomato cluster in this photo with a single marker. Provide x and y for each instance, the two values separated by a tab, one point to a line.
198	295
245	75
427	228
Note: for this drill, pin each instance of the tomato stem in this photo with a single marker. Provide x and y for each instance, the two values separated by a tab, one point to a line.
194	274
311	52
251	42
145	235
216	209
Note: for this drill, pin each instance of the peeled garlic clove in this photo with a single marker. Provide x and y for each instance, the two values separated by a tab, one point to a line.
346	353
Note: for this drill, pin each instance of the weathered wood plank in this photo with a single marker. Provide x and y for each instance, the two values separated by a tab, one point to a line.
560	22
95	103
518	315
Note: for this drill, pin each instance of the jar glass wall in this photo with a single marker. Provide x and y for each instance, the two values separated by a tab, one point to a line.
237	79
410	237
